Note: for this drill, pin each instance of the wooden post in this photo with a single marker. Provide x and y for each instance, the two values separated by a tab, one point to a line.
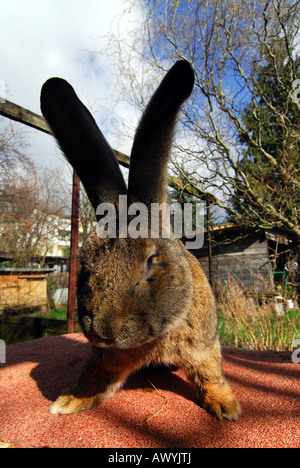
73	255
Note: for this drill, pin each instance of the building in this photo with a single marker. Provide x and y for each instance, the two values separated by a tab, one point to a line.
254	257
23	289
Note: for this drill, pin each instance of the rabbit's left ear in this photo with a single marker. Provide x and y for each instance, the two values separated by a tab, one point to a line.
82	142
151	147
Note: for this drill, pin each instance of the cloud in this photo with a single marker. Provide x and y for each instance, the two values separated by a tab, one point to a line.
44	38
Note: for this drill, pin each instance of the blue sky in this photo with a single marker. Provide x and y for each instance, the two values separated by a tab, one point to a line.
44	38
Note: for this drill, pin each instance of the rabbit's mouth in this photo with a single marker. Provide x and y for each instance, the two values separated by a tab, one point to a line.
104	342
100	342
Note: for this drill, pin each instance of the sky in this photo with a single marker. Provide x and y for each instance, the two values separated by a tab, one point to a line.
40	39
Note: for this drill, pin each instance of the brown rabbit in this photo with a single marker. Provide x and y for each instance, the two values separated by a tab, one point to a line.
140	300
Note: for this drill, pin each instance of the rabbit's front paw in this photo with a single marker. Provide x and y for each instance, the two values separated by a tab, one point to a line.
221	402
68	404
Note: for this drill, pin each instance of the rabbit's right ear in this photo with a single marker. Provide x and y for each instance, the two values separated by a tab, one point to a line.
152	143
82	142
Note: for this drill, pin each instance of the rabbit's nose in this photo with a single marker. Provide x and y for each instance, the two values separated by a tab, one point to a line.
104	330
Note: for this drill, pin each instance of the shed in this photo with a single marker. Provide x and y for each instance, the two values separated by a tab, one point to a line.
249	256
23	289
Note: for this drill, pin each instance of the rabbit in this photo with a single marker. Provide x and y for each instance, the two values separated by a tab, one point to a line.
140	300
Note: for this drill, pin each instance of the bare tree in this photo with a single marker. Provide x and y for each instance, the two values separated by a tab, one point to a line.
13	149
228	43
33	201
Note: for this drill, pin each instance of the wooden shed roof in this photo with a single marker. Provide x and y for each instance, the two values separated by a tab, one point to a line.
27	271
6	256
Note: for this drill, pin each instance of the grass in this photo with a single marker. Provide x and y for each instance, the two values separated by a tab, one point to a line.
58	314
247	323
275	333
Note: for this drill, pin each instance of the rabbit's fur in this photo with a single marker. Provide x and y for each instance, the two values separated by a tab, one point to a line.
139	300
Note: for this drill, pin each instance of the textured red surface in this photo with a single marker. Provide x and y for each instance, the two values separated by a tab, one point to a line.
267	384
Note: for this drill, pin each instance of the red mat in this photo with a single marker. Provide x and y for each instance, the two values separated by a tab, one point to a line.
266	383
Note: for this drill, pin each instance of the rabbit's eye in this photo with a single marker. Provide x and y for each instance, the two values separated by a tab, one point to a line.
148	267
153	260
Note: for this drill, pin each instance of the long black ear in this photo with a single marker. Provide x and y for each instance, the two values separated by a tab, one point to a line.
152	143
82	142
